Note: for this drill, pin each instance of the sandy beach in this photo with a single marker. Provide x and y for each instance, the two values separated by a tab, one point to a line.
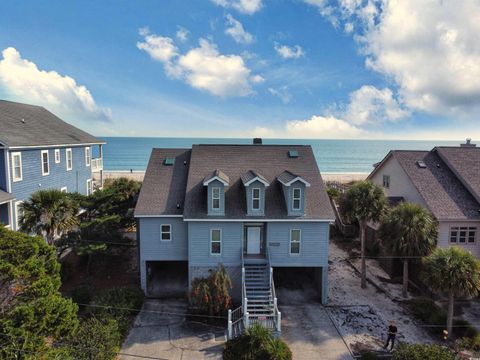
327	177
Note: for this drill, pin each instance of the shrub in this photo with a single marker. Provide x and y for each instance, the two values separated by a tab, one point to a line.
256	343
333	192
96	340
422	352
82	294
469	343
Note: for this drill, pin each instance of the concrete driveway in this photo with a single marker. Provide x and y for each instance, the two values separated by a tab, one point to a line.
160	331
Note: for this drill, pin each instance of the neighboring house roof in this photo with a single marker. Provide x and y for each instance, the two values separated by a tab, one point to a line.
268	160
287	178
5	196
442	191
217	175
251	176
164	185
23	125
465	164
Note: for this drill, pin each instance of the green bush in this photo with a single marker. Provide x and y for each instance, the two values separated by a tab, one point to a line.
96	340
469	343
422	352
81	294
333	192
256	343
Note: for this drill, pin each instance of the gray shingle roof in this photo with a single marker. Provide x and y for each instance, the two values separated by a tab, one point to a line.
268	160
29	125
465	163
164	186
5	196
444	194
250	175
217	174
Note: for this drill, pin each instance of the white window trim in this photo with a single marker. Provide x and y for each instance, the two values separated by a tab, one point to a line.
256	198
15	179
67	151
64	189
299	242
294	198
44	173
211	241
89	187
17	223
215	198
88	158
58	158
467	230
165	232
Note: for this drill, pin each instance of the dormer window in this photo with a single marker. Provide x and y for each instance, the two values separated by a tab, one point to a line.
255	187
256	198
216	184
216	198
297	198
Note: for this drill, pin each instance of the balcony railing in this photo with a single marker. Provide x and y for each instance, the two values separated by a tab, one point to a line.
97	164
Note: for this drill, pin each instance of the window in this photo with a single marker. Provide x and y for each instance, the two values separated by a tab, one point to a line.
57	156
45	164
17	166
64	189
256	199
216	198
295	241
215	241
88	156
68	155
297	198
386	181
89	187
463	234
18	213
165	232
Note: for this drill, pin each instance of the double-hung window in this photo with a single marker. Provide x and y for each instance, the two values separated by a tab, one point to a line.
17	166
165	232
463	234
295	235
216	198
45	163
256	198
297	198
386	181
88	156
69	161
215	241
57	156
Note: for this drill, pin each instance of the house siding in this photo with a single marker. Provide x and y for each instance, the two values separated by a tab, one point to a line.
444	235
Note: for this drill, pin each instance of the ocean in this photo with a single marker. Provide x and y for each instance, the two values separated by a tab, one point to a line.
333	156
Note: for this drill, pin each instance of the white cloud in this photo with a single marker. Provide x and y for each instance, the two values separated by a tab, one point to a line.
289	52
243	6
61	94
182	34
370	105
282	93
203	67
236	31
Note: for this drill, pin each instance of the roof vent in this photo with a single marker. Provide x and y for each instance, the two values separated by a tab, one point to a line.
293	154
23	121
257	141
468	143
178	205
421	164
169	161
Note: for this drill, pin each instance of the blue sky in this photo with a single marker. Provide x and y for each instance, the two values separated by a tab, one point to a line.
240	68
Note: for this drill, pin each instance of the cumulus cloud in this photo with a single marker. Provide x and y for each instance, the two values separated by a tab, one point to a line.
182	34
244	6
236	31
203	67
289	52
62	94
282	93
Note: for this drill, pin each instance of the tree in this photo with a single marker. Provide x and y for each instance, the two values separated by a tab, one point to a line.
49	213
454	271
364	202
32	308
409	231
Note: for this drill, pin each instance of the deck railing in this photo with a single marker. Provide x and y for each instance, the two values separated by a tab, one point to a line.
277	317
235	322
97	164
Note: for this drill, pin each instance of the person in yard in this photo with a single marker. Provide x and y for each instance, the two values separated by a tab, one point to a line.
392	332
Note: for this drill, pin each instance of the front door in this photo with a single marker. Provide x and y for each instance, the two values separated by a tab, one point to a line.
253	240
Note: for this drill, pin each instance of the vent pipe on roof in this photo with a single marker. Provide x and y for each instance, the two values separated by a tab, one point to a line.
468	143
257	141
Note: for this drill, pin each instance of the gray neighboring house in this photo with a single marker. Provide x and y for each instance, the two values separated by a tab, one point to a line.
253	208
446	181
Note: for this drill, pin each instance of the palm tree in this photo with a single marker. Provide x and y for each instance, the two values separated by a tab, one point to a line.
49	213
409	231
454	271
364	202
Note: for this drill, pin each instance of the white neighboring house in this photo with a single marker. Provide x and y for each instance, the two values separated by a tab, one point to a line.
446	181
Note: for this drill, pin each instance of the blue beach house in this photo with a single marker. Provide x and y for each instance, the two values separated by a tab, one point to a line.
253	208
38	150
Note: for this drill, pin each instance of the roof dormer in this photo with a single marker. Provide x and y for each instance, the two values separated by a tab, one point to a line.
294	187
255	186
216	183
